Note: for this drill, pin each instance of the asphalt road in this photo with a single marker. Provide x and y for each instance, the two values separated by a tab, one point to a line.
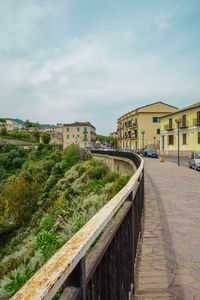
174	159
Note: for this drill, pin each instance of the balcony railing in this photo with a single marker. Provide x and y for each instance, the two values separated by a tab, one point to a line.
168	128
107	272
196	122
184	124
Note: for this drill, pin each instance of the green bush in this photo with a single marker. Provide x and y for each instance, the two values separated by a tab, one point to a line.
5	161
17	162
16	281
98	171
72	155
120	183
45	137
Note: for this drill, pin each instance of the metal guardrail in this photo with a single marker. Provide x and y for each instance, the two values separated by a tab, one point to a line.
107	272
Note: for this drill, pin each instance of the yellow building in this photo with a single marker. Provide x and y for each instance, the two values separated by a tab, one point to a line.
140	128
189	131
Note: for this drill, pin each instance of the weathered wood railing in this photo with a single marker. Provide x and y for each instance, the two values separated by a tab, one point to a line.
107	272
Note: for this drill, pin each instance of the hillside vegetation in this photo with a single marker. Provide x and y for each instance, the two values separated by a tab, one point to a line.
46	195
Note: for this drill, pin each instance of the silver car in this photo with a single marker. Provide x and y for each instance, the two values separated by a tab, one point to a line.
194	161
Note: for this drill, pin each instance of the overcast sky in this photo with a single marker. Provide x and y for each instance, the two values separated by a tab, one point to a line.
94	60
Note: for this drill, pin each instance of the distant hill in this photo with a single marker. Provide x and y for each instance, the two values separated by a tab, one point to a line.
15	120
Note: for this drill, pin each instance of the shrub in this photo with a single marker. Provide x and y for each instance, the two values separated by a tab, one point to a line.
120	183
17	162
3	131
5	161
71	156
16	281
45	137
13	153
98	171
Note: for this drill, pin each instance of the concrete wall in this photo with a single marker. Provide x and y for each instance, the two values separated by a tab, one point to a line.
118	164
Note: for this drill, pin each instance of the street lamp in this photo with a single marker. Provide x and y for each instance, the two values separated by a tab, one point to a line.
178	121
143	132
154	142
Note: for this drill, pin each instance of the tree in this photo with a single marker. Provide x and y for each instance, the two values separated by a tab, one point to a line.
45	138
99	138
3	131
112	140
36	134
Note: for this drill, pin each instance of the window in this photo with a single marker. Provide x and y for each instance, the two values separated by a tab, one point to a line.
85	145
67	129
184	120
170	122
78	135
77	128
158	107
158	130
198	137
85	129
198	117
135	133
129	123
85	137
155	120
67	136
184	138
171	140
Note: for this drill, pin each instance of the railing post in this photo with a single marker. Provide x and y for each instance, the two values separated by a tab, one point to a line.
77	279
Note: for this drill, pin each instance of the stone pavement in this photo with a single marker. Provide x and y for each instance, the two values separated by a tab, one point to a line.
168	261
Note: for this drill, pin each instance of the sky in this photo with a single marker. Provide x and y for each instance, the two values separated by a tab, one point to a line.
63	61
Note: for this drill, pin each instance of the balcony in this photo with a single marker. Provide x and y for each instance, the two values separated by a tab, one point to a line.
168	128
196	122
184	124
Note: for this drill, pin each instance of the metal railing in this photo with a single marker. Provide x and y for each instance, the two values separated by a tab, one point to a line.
167	127
196	122
107	272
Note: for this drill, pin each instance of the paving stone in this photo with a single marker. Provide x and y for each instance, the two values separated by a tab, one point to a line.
168	264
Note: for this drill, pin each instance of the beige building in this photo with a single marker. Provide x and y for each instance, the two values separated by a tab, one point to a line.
80	133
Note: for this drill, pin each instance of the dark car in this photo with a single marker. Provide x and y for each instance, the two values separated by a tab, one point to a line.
150	153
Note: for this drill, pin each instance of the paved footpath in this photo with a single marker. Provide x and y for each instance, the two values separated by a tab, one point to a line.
169	256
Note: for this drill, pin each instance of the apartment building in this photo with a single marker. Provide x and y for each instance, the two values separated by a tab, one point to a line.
140	128
80	133
189	131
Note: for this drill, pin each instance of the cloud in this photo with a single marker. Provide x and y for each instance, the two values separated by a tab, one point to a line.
96	75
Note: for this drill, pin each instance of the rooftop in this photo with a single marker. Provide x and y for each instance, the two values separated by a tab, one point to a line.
195	105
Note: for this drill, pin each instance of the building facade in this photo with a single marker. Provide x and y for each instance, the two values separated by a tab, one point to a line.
140	128
189	131
80	133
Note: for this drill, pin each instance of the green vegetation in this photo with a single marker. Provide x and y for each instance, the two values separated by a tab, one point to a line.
19	135
47	195
45	137
112	141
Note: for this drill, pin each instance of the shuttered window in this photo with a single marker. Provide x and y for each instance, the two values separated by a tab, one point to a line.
198	117
170	122
184	138
198	137
183	120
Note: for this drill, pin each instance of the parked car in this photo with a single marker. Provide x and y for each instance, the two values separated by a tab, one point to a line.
125	149
138	151
194	160
150	153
